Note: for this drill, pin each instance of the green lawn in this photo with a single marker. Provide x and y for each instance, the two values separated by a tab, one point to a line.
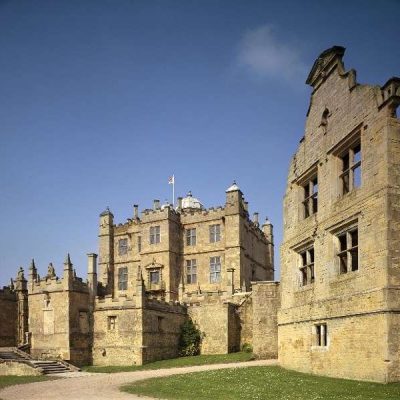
259	383
177	362
17	380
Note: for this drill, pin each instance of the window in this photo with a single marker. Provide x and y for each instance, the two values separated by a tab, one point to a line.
154	234
191	237
310	202
350	176
191	271
321	335
215	233
215	269
112	323
123	278
348	251
122	247
139	244
154	277
307	266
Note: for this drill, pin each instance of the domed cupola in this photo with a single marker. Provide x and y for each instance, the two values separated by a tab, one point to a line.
191	202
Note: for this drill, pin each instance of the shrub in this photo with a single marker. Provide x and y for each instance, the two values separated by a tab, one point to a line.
189	339
247	348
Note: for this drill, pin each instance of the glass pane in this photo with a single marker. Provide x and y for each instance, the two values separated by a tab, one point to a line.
345	183
357	154
354	259
303	258
343	242
307	191
343	263
315	204
311	252
315	186
354	238
357	177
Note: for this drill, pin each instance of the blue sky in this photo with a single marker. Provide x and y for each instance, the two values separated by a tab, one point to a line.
101	101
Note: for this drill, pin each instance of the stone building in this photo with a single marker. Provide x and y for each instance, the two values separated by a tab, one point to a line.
155	271
340	259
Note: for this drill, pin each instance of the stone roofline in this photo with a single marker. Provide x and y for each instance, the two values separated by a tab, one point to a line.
7	293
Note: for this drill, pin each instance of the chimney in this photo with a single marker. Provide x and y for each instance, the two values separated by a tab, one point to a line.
179	203
255	219
92	273
156	204
246	206
135	211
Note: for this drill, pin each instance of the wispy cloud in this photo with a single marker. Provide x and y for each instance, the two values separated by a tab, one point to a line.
263	54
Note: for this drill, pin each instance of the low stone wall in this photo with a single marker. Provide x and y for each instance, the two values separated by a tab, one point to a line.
18	368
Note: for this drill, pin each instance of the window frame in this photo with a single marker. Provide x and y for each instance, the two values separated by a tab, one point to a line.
215	233
345	256
321	338
155	234
191	236
123	248
215	269
348	172
154	273
191	271
310	196
112	322
307	265
123	283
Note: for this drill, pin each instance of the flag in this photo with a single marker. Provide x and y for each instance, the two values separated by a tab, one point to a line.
171	180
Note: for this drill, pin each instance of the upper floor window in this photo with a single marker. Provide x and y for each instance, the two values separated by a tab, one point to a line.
215	233
310	202
307	266
191	271
350	176
215	269
348	251
155	236
191	237
123	278
112	323
122	247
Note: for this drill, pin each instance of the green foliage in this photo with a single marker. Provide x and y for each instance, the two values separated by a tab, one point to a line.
176	363
10	380
247	348
189	339
261	383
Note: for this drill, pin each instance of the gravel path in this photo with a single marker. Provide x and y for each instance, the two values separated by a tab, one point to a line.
86	386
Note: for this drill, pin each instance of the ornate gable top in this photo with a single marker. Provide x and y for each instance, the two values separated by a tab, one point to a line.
324	64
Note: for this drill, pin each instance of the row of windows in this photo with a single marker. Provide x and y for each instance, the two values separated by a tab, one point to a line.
347	256
349	177
155	237
191	273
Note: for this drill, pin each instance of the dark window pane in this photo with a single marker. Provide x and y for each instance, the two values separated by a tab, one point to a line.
354	259
345	183
343	242
315	204
345	162
343	263
315	185
304	258
357	154
307	191
311	252
354	238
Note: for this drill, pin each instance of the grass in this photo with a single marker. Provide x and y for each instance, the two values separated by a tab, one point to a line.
261	383
177	362
18	380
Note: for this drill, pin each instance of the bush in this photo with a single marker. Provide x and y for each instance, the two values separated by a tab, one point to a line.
189	339
247	348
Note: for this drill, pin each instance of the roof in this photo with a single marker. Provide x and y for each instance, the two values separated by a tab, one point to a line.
191	202
233	188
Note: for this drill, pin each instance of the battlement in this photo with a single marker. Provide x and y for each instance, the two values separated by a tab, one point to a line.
163	306
109	302
390	93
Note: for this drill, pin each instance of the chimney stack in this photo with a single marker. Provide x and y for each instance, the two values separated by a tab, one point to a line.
135	211
156	205
255	219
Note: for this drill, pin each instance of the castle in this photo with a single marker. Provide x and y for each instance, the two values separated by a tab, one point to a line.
335	311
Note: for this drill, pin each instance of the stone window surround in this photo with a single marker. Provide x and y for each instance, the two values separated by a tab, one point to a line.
344	227
112	322
306	265
298	249
320	336
307	180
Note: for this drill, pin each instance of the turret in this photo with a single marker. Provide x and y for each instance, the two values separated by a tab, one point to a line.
234	199
268	230
68	275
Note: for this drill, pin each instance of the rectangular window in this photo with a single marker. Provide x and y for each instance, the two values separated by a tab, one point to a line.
191	237
123	278
112	323
350	176
307	266
215	269
310	199
155	234
348	251
215	233
139	244
191	271
321	335
155	277
122	247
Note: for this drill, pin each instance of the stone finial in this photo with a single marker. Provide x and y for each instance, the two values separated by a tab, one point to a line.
20	275
32	266
67	262
11	284
51	272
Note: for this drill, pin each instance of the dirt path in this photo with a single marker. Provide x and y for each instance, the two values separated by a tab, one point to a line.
103	386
